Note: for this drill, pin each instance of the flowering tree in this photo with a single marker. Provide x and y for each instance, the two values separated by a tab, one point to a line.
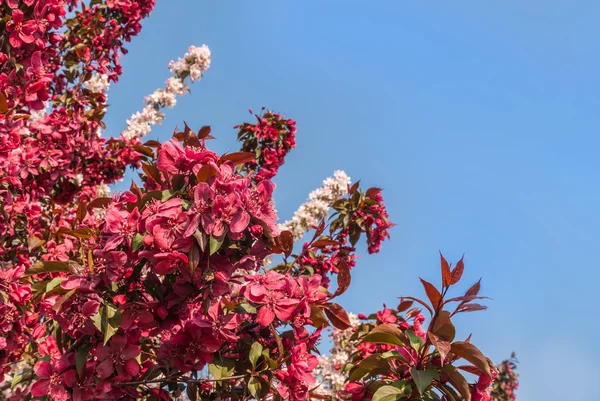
186	283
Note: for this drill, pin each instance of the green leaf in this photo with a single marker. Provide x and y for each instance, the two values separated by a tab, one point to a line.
202	240
245	308
137	241
221	368
215	243
255	352
382	338
108	321
47	267
423	378
388	393
415	341
254	386
82	355
54	282
18	378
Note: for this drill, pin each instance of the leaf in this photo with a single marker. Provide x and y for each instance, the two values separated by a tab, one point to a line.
324	242
81	211
388	393
404	305
343	279
193	258
191	390
458	270
458	381
420	302
254	387
423	378
17	378
54	282
471	308
99	203
474	290
47	267
472	354
63	299
207	171
442	346
237	158
432	293
337	316
386	334
143	150
202	240
34	242
3	104
215	243
204	132
286	240
82	354
443	327
152	172
137	241
317	317
372	191
220	368
446	275
255	352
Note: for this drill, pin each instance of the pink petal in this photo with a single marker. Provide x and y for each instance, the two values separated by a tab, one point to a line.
40	388
43	369
105	369
265	316
132	368
239	222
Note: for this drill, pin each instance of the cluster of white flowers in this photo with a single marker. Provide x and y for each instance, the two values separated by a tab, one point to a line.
195	62
329	371
318	204
98	83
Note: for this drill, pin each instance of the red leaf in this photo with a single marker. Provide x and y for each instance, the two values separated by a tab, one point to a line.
472	354
3	104
343	278
471	308
324	242
432	293
372	191
457	272
152	172
286	239
143	150
238	158
474	290
207	171
421	302
352	189
458	381
337	316
404	305
446	275
99	203
442	346
204	132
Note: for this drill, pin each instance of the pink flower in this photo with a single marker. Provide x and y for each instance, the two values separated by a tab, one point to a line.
119	356
51	378
20	32
354	391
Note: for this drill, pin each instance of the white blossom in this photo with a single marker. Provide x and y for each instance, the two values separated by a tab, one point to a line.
318	204
97	83
193	65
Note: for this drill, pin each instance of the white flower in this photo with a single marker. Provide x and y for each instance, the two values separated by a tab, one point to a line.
193	65
316	207
97	83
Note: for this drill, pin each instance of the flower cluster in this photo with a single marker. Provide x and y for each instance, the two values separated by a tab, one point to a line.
193	65
507	381
270	139
160	282
319	202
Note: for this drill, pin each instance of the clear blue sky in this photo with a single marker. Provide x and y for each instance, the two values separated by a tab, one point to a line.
478	118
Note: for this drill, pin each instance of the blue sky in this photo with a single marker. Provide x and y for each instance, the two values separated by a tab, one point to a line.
479	120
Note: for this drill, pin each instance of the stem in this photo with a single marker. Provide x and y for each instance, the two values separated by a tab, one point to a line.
181	380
